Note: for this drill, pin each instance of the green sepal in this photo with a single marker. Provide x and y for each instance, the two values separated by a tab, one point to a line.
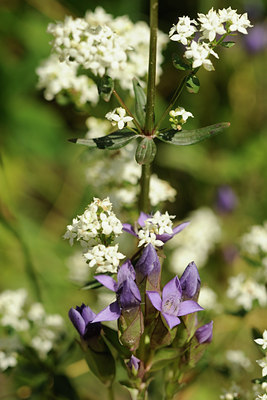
105	87
131	327
112	336
164	357
146	151
185	137
99	358
195	351
179	63
260	380
94	284
161	335
113	141
140	102
227	44
192	84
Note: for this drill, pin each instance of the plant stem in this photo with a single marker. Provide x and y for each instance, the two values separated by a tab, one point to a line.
144	202
174	98
121	102
151	84
110	393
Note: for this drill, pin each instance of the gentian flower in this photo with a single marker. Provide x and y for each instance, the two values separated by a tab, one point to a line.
128	295
171	305
226	200
204	333
155	233
190	282
133	363
82	318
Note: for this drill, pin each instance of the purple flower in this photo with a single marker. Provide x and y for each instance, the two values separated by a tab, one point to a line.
204	333
171	305
82	318
256	40
226	200
128	295
190	282
163	237
133	363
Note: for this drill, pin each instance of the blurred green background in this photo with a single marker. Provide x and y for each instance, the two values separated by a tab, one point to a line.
41	184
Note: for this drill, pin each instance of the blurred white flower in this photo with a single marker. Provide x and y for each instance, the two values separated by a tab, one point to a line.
262	341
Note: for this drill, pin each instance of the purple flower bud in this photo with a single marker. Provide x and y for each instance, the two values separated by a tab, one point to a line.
256	40
226	200
190	282
82	318
133	363
204	333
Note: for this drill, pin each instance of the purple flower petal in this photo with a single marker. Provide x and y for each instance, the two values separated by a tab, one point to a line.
145	264
110	313
125	272
107	281
204	333
129	295
190	281
87	314
171	320
142	218
180	227
166	236
172	289
188	307
134	363
77	321
155	299
130	229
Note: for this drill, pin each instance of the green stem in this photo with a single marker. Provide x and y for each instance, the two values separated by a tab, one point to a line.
110	393
151	84
121	102
144	202
174	98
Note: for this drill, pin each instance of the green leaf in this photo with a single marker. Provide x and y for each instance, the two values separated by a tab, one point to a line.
185	138
131	327
105	87
140	102
112	336
179	63
192	84
227	44
113	141
164	357
146	151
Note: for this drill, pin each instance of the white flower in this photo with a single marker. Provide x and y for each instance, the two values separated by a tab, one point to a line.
36	312
227	14
7	360
118	117
240	23
262	341
147	237
158	224
179	117
255	241
200	52
183	30
263	364
160	191
245	291
106	259
238	357
96	127
208	299
262	397
211	25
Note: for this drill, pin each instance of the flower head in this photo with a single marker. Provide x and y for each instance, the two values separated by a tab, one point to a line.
171	304
183	30
118	117
82	318
204	333
211	25
190	282
179	117
199	53
262	341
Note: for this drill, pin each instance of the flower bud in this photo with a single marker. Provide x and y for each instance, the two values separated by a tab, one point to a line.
204	333
190	282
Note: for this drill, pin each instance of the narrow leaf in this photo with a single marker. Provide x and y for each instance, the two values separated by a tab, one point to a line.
105	87
228	44
185	138
192	84
140	102
146	151
113	141
179	63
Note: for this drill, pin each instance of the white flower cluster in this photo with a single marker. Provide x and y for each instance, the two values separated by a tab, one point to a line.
179	117
245	291
45	330
7	360
158	224
208	299
263	362
102	44
238	358
56	77
215	23
118	174
95	230
255	241
229	396
118	117
197	241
